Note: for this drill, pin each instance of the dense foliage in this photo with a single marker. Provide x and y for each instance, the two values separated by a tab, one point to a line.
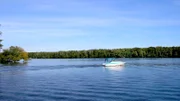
13	54
151	52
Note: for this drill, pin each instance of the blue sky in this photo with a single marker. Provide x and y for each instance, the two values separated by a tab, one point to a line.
54	25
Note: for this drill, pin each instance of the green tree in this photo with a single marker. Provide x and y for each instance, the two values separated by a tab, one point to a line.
151	52
13	54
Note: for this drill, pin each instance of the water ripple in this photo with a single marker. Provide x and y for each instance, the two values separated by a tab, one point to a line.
139	80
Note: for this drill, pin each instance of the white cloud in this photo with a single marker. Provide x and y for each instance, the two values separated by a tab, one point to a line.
58	5
79	22
148	22
45	33
58	22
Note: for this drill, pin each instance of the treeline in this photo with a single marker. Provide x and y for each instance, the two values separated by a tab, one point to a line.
151	52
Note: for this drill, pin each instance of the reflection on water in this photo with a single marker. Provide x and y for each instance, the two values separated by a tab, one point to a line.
15	64
88	80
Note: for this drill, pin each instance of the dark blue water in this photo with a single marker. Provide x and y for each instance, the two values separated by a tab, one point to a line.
87	80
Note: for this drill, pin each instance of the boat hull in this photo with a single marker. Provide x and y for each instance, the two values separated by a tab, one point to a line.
113	64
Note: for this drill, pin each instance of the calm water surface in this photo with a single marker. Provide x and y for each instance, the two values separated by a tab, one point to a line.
87	80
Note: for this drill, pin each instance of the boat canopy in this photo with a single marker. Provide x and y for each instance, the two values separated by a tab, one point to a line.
109	59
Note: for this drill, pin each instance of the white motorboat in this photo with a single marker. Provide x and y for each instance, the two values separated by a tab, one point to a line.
111	63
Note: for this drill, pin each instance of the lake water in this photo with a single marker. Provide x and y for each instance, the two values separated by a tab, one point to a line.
87	80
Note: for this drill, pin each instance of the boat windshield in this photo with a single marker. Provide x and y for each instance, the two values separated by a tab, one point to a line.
109	59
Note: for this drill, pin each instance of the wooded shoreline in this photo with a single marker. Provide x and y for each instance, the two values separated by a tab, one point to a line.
150	52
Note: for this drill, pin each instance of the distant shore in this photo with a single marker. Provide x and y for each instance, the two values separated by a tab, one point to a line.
150	52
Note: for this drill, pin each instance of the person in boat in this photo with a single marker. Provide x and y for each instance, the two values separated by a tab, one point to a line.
106	59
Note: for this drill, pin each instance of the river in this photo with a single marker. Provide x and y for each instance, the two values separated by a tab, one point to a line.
151	79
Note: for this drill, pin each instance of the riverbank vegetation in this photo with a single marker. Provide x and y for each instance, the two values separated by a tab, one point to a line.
13	55
151	52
